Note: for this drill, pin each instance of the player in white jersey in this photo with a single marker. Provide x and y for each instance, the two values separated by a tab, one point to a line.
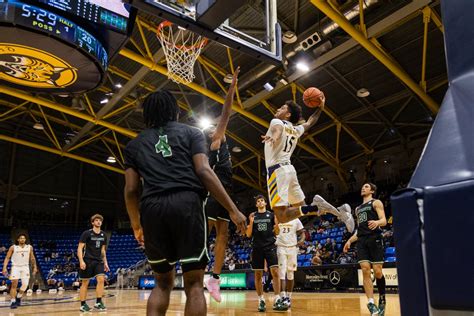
284	191
291	235
21	256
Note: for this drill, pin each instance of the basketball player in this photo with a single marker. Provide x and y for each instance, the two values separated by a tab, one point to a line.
172	160
91	253
370	217
21	255
291	235
220	162
262	229
282	182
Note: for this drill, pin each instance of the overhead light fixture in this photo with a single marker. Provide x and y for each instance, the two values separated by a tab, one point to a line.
322	179
363	93
38	126
111	159
104	101
302	66
236	149
228	78
118	85
267	86
205	123
289	37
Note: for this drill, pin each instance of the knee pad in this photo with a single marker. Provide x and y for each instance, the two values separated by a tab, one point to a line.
290	275
24	284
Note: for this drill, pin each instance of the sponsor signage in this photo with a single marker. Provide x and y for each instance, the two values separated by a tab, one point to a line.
391	277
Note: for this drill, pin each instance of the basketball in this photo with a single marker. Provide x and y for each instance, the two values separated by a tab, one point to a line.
312	97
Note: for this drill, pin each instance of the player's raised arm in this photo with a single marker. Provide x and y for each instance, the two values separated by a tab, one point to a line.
313	119
218	135
276	131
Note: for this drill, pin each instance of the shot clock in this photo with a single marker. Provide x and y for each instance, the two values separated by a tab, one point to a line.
60	46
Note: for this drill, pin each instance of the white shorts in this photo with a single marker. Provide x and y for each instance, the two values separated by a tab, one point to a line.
18	273
287	259
283	187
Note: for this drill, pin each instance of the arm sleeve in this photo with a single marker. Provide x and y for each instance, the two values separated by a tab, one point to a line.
198	142
129	156
299	130
83	238
299	225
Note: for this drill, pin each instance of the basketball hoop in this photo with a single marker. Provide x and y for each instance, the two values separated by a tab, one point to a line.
181	48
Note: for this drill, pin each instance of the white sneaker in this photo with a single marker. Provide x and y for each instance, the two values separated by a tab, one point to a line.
214	287
345	216
324	206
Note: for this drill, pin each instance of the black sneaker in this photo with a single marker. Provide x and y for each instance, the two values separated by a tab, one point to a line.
280	305
373	309
18	301
382	303
13	305
262	306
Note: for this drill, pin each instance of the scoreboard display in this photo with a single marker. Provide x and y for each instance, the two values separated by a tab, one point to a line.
79	35
111	14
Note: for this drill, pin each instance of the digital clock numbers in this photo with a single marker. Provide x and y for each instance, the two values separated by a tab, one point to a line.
60	27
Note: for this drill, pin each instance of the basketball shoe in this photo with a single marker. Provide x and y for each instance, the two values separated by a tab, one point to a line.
85	308
382	305
373	309
214	287
262	307
346	217
280	305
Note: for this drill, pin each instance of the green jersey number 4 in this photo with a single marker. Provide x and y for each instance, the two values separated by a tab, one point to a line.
162	147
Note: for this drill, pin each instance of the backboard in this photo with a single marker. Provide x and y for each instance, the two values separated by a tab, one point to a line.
218	20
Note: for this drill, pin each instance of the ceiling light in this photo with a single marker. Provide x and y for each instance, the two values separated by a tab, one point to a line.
363	93
111	159
237	149
104	101
228	78
289	37
302	66
38	126
322	179
118	85
268	87
204	123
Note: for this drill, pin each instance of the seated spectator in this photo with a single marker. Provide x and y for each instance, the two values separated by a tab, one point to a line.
76	285
231	265
60	285
3	287
325	256
3	249
316	260
51	283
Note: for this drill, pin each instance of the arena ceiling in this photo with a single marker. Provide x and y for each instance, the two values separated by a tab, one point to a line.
397	54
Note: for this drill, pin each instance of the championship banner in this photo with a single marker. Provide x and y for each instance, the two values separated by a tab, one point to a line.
391	277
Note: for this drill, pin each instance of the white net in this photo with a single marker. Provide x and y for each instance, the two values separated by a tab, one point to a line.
181	48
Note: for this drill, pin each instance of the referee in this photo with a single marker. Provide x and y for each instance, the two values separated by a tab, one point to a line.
370	217
171	158
93	262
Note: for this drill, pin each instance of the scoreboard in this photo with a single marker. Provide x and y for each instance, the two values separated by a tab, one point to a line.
79	35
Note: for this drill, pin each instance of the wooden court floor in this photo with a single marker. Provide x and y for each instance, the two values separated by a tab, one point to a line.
133	302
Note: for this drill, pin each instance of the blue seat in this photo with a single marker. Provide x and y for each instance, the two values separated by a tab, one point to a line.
390	252
391	259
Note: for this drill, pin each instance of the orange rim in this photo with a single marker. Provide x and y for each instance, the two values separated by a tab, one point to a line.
200	44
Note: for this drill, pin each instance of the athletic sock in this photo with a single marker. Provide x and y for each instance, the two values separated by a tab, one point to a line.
261	298
216	276
308	208
19	295
13	300
83	303
283	294
99	300
371	300
288	294
381	286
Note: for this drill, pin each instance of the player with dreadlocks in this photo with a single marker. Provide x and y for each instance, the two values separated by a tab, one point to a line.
172	160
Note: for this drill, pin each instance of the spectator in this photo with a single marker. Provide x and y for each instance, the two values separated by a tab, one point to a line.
316	260
3	287
3	249
231	265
